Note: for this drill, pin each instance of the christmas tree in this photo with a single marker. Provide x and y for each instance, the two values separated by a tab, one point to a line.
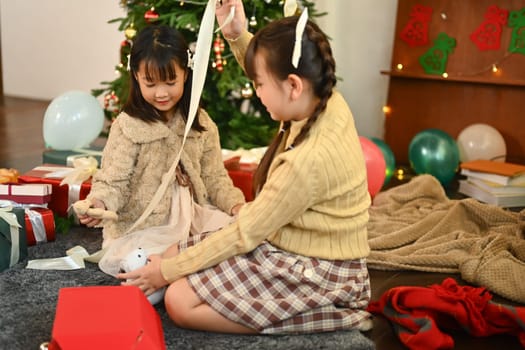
228	95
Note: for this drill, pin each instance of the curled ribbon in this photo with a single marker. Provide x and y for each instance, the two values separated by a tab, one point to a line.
9	217
83	169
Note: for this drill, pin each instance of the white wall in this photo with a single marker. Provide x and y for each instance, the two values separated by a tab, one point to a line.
53	46
362	40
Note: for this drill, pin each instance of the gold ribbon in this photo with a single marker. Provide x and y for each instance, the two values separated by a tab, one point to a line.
10	217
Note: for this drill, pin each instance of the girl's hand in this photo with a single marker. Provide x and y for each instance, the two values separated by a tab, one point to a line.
235	209
90	221
235	28
147	278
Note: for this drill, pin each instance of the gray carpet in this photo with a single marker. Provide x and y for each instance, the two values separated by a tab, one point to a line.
28	300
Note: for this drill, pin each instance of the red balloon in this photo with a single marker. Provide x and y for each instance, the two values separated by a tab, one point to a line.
375	165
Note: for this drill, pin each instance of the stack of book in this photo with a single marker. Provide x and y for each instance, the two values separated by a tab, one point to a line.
497	183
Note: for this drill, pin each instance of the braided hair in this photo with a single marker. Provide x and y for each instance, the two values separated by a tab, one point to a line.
317	65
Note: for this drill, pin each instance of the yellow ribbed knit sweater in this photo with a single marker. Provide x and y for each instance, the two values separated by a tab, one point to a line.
315	201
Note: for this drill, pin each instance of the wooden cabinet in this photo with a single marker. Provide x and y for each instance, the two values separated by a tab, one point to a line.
471	93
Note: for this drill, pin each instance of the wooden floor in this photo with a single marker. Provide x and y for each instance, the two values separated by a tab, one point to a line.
21	135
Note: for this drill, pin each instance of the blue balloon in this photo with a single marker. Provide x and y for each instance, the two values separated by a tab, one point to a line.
434	152
72	120
390	159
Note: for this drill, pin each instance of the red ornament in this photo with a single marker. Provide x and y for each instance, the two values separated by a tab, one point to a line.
415	32
488	35
151	15
218	49
125	50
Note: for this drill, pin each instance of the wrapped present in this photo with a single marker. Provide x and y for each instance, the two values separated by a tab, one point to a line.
40	225
8	175
241	165
66	157
26	193
242	177
68	184
13	246
105	317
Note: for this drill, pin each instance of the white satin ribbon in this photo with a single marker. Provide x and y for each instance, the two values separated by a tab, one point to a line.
299	30
10	217
202	53
73	260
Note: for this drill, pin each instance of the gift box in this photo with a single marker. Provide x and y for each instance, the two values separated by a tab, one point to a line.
13	246
105	317
66	157
26	193
62	196
40	225
241	175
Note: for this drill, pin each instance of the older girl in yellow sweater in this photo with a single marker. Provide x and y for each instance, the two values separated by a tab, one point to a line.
294	261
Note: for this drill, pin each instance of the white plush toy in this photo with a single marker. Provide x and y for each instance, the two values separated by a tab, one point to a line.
135	260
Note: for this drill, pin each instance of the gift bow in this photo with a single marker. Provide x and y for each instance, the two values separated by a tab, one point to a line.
83	169
9	217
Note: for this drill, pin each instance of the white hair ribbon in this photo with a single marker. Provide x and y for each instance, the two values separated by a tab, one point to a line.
200	67
299	30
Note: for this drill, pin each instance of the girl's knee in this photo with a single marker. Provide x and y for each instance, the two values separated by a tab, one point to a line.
177	304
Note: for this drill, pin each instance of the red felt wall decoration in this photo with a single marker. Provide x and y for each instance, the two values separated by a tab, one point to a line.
488	35
415	32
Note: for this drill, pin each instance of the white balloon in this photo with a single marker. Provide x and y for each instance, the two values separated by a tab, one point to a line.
481	141
72	120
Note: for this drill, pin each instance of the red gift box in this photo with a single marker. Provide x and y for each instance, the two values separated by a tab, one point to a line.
26	193
241	175
40	225
62	196
105	317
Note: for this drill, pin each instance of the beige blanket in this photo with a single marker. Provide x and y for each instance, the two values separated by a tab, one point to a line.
416	227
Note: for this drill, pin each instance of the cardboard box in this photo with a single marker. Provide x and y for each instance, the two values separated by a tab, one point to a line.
26	193
106	317
62	196
13	245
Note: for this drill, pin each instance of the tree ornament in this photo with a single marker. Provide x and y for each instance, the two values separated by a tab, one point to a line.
517	21
130	32
111	102
415	32
125	50
253	21
488	35
247	91
218	49
151	15
434	61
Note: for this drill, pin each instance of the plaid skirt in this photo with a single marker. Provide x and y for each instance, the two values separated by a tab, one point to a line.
274	291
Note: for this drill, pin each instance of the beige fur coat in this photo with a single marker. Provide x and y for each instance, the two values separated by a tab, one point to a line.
136	156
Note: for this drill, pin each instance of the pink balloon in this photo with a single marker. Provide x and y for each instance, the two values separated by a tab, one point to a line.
375	165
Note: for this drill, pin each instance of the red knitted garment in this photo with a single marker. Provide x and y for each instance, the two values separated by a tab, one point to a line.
419	314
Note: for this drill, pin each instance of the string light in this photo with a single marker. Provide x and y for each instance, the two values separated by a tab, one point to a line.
399	66
494	68
445	75
387	110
